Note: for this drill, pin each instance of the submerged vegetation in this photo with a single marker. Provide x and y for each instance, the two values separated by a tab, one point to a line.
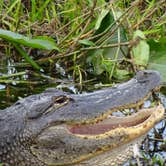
78	45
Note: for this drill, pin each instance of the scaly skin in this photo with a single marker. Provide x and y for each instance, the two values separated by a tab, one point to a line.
51	128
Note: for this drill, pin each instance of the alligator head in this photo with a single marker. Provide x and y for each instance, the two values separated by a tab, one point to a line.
57	128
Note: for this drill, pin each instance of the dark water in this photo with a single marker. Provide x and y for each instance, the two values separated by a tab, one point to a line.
153	150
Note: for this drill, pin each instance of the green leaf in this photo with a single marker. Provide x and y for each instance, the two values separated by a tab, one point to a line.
105	22
139	34
41	42
95	58
105	60
157	59
141	53
107	65
100	64
104	12
86	42
141	50
121	74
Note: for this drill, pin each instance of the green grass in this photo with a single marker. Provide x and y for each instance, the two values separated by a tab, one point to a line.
96	33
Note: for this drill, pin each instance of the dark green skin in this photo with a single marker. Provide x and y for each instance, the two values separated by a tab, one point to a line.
30	117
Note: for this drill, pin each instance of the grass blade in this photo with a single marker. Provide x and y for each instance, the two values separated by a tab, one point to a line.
27	58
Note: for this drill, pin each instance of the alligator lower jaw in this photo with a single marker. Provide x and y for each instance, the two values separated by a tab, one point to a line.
145	118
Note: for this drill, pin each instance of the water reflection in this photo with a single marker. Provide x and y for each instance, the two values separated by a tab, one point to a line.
2	86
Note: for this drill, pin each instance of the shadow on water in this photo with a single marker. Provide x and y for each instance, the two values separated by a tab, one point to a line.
14	87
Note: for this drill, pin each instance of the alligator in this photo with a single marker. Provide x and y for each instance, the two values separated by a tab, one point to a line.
56	128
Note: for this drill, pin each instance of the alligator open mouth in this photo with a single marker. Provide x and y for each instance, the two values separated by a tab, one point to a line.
110	123
105	126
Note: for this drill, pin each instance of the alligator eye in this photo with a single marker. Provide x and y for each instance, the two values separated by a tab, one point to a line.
61	99
146	73
17	103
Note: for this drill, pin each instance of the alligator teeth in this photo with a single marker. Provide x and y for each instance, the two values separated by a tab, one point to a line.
109	116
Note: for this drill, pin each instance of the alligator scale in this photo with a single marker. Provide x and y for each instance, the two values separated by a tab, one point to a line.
55	128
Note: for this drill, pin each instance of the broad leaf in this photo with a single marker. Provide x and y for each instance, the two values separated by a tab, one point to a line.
158	56
41	42
103	60
103	14
141	50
